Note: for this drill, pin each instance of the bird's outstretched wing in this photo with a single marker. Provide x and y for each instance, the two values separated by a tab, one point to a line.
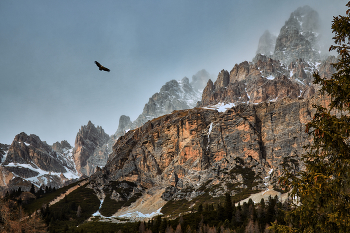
105	69
98	64
101	67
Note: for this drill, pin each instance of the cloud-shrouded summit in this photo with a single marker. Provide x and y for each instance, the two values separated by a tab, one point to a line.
50	87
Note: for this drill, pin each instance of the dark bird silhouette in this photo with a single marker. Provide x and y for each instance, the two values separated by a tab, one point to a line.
101	67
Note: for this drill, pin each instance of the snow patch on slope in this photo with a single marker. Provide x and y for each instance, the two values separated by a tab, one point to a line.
97	213
209	132
42	176
221	107
138	214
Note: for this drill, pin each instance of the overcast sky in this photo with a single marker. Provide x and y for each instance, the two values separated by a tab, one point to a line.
50	86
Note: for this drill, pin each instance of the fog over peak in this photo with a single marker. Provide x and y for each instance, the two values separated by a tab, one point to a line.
50	85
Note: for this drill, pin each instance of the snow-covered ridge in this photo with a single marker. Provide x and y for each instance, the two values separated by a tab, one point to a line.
42	177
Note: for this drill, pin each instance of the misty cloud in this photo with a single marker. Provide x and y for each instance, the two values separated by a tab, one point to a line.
50	85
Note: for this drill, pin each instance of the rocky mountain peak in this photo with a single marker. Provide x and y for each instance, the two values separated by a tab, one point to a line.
307	18
91	133
173	95
32	140
89	142
3	151
61	146
124	123
298	37
30	160
223	79
199	150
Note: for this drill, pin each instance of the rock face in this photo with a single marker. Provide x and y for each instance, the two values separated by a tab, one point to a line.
174	95
201	148
124	125
3	151
266	44
91	149
265	79
29	160
298	38
31	150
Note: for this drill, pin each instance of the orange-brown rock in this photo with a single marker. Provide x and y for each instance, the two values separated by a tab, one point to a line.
191	148
265	79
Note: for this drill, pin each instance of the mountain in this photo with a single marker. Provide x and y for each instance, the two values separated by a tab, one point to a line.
282	67
91	149
28	160
264	79
174	95
299	38
93	145
249	124
191	146
191	154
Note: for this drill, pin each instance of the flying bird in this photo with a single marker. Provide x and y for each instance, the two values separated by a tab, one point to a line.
101	67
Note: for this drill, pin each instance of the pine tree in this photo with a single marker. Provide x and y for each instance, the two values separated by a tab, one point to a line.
200	208
322	189
228	206
13	219
32	189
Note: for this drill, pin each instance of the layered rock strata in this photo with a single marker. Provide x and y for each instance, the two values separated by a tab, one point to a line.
200	148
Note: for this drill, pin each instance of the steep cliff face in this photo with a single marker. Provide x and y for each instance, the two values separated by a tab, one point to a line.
29	160
201	148
91	149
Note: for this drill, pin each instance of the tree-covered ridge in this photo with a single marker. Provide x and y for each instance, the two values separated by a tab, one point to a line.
225	217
